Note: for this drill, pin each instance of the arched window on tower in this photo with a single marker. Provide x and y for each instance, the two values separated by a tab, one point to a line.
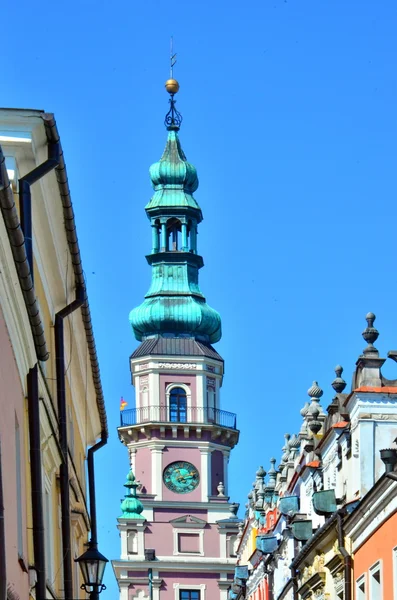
178	405
174	234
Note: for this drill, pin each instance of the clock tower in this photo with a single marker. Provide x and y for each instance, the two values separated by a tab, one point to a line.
178	529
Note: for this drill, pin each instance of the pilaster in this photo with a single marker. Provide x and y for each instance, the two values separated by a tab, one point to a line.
157	469
124	586
205	472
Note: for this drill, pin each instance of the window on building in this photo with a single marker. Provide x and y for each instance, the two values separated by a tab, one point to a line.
18	466
178	405
189	595
375	582
360	589
189	543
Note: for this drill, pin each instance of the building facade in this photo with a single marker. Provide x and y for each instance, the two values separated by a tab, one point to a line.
51	400
178	535
323	524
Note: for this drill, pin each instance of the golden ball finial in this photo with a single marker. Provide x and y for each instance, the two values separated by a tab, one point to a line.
172	86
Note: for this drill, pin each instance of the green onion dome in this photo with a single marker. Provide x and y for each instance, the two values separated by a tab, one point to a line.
174	179
176	315
131	505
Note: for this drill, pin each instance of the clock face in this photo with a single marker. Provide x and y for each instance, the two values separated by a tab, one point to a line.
181	477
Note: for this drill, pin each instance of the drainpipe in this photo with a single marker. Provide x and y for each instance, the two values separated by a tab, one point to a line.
347	559
25	198
37	484
294	578
150	573
3	566
91	486
63	439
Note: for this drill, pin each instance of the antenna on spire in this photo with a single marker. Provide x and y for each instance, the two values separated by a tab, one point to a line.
172	58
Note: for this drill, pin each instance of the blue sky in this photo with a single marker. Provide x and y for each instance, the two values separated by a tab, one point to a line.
289	117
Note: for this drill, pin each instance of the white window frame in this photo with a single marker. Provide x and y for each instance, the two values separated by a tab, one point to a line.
188	393
361	580
179	587
200	533
378	566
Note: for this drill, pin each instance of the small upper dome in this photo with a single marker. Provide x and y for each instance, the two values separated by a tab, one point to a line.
174	179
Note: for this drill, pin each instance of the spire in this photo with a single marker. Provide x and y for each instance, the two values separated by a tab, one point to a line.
174	305
131	505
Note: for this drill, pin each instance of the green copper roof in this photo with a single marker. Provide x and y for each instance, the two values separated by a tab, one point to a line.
131	505
174	179
174	305
176	315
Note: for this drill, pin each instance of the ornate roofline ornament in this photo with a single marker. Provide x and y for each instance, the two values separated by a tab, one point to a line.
173	118
338	383
370	335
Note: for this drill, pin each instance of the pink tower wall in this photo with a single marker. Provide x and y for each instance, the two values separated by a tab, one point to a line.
12	409
191	455
143	469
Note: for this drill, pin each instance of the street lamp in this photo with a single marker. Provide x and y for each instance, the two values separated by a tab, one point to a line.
92	564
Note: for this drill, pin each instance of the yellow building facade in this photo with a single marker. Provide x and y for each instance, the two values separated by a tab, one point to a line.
51	398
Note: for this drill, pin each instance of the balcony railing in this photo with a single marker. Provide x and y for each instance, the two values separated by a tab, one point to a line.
190	415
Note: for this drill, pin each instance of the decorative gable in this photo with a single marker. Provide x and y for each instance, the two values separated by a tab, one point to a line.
188	522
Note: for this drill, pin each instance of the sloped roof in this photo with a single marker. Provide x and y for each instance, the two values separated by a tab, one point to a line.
164	346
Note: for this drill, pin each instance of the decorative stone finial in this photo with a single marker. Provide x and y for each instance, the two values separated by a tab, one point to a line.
315	391
272	474
338	383
131	505
233	508
370	334
285	448
304	409
221	489
260	472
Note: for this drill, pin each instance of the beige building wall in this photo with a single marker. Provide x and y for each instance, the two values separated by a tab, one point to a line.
23	141
13	452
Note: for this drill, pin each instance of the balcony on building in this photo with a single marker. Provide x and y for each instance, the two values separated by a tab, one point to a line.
171	414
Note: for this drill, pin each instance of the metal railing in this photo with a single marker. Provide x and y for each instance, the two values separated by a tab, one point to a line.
166	414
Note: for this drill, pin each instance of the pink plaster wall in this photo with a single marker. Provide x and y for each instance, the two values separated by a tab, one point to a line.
167	514
166	380
12	409
167	591
211	541
191	455
216	471
160	536
143	469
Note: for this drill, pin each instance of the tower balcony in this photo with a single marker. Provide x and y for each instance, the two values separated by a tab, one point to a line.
189	416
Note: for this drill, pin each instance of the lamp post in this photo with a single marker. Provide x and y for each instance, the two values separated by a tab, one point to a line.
92	564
